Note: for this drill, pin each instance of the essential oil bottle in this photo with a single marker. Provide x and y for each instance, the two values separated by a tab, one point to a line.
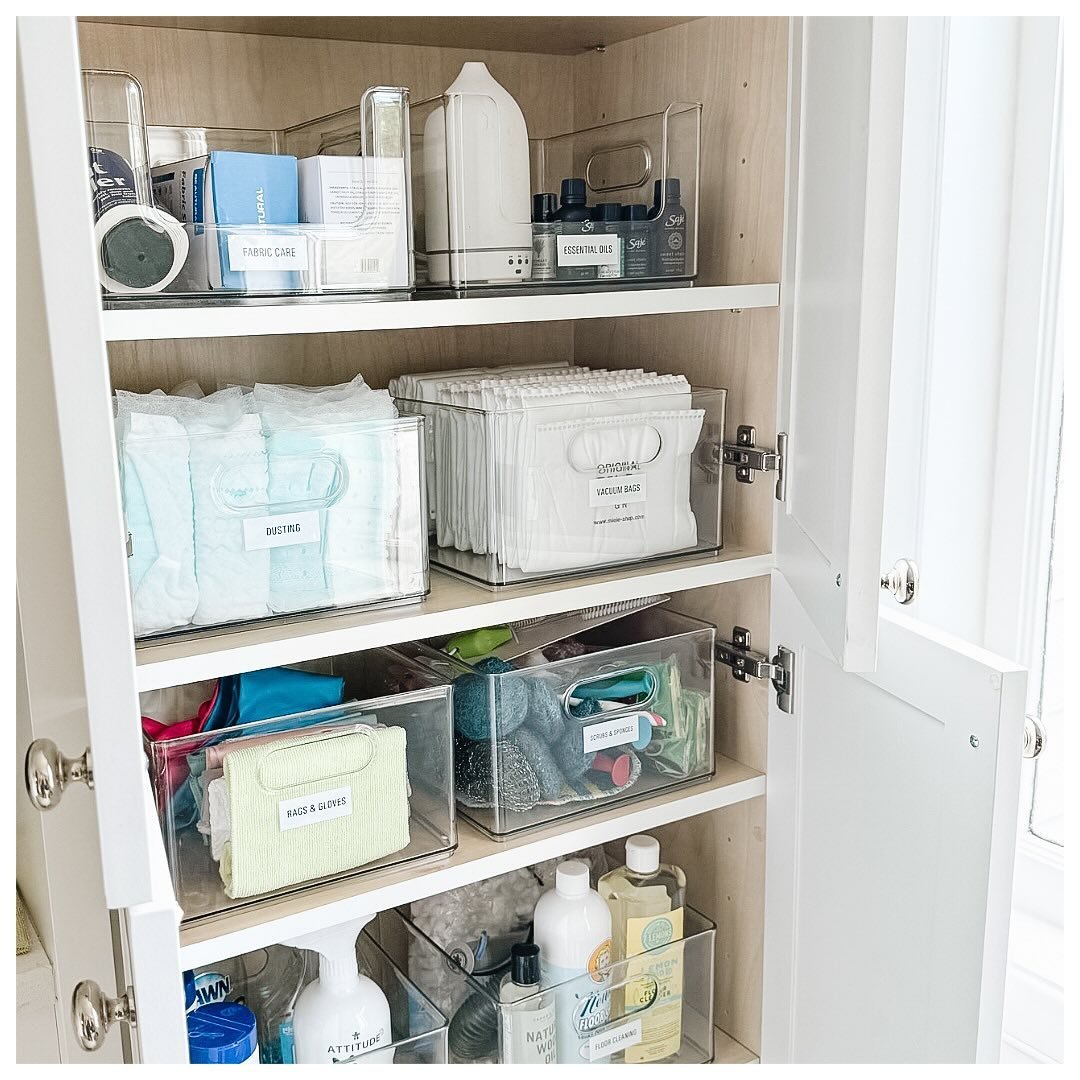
608	217
574	218
637	233
544	207
669	217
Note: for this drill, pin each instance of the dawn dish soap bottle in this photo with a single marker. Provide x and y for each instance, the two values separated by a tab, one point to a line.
646	899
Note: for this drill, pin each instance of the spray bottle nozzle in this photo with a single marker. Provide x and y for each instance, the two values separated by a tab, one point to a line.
336	946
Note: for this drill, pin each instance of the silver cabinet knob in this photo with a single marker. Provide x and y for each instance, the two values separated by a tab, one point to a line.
1034	737
902	581
48	772
93	1013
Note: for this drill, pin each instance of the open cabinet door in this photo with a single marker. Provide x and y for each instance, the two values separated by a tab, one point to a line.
891	826
845	130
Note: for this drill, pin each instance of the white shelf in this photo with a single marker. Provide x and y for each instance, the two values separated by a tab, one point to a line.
255	317
475	859
451	606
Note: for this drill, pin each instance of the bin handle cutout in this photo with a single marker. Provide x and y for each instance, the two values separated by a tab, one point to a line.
641	442
638	684
270	771
626	173
232	488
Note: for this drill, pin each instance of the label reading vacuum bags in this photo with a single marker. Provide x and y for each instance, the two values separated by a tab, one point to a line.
264	252
280	530
617	490
584	250
607	733
295	813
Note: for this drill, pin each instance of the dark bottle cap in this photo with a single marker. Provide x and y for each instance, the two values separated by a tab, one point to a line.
573	192
525	965
670	188
608	211
544	206
137	252
635	212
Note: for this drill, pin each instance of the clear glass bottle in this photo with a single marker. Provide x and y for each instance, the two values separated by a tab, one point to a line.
646	899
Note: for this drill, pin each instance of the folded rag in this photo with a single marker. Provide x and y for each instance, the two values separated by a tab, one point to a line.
356	786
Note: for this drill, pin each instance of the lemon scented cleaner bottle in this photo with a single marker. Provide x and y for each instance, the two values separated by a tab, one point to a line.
646	899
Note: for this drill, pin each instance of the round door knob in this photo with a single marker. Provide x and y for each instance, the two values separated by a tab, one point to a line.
48	772
1034	737
902	581
93	1013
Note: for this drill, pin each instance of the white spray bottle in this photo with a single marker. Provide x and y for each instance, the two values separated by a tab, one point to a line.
342	1013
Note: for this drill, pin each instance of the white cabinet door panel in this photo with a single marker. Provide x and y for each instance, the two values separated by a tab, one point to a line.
891	835
837	294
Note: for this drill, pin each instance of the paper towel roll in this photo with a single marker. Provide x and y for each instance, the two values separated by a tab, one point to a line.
140	249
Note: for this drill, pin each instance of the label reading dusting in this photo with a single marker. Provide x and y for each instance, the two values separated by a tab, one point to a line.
265	252
295	813
609	1042
584	250
618	732
617	490
280	530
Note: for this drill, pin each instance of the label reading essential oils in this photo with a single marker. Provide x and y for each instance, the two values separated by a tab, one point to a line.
655	983
596	249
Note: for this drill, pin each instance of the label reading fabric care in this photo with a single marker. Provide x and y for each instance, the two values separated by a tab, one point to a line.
584	250
262	252
607	733
280	530
617	490
295	813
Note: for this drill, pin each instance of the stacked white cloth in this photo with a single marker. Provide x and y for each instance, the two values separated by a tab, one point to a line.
206	480
550	469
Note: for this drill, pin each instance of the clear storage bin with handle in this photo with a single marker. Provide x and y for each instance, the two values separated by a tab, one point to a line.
655	1007
320	208
537	740
259	809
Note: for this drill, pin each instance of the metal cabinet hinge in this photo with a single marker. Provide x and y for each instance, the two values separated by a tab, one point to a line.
746	664
750	459
130	546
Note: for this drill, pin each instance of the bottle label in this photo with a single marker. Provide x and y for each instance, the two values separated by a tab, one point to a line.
112	181
544	257
655	983
582	1002
529	1034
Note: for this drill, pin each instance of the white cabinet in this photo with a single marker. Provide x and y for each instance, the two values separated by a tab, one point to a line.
871	924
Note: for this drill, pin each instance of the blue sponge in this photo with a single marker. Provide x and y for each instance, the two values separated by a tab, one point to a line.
475	696
543	764
545	712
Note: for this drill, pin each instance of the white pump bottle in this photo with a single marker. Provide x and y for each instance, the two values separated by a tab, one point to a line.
342	1013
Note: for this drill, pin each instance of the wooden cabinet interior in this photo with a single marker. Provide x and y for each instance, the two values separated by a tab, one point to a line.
737	67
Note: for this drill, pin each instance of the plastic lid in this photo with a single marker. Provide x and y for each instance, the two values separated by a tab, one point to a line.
525	964
671	191
643	854
573	192
221	1033
635	212
544	206
572	878
609	211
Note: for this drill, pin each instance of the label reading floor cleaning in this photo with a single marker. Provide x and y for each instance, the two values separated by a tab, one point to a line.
295	813
617	490
584	250
268	253
610	1042
280	530
607	733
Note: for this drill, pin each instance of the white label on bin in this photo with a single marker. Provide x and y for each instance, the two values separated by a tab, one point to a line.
583	250
295	813
617	732
614	1040
263	252
280	530
617	490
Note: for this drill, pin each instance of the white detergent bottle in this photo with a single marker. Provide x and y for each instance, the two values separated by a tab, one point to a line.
477	200
342	1013
572	926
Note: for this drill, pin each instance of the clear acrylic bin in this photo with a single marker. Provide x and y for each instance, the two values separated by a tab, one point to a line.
234	520
269	980
654	1007
478	221
527	494
554	740
298	797
322	207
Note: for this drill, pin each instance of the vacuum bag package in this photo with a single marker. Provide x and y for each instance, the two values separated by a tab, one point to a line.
541	470
267	501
